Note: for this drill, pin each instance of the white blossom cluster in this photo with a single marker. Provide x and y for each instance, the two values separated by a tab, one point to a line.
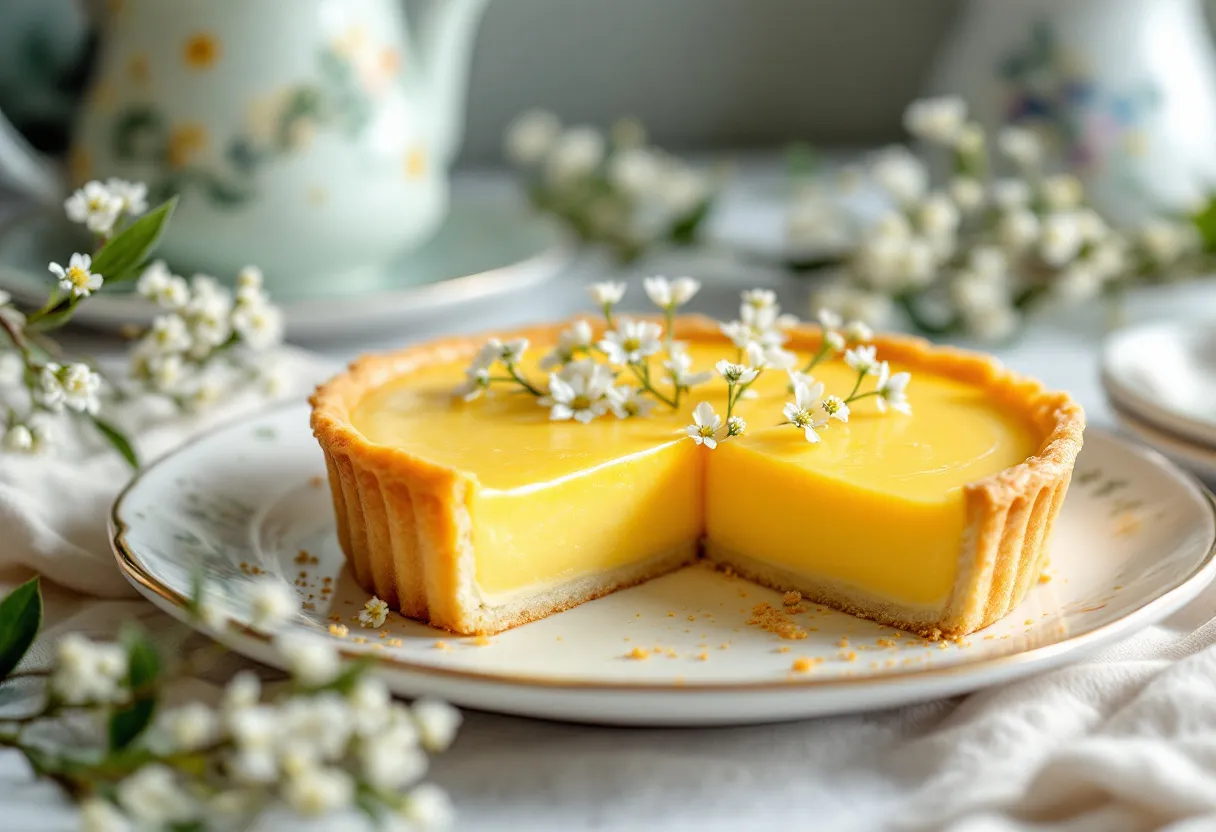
585	373
101	207
986	249
203	326
617	190
759	336
584	380
329	741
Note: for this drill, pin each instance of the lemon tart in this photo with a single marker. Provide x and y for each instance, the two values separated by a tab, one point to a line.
478	516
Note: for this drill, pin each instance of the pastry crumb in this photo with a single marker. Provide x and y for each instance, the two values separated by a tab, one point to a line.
442	645
783	649
638	653
792	597
885	642
772	620
802	665
702	656
339	630
316	482
482	641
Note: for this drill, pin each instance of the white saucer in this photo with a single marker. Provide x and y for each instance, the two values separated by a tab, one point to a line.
487	247
1134	542
1164	375
1197	458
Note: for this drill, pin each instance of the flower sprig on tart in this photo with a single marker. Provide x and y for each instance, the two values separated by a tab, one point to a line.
636	365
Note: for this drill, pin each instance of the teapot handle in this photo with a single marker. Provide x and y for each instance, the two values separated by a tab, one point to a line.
27	170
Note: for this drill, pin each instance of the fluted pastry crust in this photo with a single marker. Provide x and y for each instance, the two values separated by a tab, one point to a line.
405	525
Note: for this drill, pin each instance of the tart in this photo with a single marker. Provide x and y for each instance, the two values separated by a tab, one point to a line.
480	516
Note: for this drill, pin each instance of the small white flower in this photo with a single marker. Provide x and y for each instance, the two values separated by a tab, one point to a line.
835	408
19	438
260	325
1164	242
166	289
681	189
249	279
632	341
1010	194
50	390
901	174
829	319
153	796
629	402
937	216
272	602
988	261
993	323
87	672
1092	227
569	343
133	195
967	193
370	703
1077	282
389	766
313	728
936	119
972	291
892	390
1060	240
1061	192
428	807
759	298
94	206
801	412
735	426
169	334
1109	258
669	295
635	171
606	293
437	723
477	381
531	136
872	307
679	370
318	790
763	356
204	390
77	278
970	139
276	379
575	154
863	360
243	691
736	373
509	352
311	659
858	332
706	427
1021	145
374	613
211	616
100	815
579	392
1018	229
192	726
80	387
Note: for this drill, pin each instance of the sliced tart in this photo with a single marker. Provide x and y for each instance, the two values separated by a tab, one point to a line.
478	516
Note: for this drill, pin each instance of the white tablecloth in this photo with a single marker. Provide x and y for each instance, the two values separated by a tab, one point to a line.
1123	741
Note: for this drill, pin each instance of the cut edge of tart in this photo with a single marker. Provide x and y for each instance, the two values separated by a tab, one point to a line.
406	527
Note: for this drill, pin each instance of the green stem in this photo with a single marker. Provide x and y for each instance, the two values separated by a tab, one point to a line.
608	316
643	375
856	387
824	348
522	381
730	403
852	399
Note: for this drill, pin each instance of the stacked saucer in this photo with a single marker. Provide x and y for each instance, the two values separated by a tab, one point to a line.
1160	380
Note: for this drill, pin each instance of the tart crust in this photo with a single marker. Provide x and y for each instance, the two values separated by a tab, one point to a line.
405	526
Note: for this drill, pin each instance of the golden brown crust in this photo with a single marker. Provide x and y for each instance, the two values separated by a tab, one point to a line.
404	522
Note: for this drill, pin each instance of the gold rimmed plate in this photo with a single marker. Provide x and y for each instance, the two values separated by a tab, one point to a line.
1135	541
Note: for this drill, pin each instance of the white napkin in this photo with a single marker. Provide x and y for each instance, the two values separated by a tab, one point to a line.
54	507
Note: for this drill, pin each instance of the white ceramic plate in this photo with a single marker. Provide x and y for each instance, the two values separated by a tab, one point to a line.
1164	374
487	247
1200	459
1134	542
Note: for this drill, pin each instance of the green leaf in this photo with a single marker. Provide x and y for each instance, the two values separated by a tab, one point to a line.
684	231
55	317
20	618
118	439
120	259
129	722
1205	221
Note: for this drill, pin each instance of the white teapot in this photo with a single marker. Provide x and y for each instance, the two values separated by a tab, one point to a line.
310	137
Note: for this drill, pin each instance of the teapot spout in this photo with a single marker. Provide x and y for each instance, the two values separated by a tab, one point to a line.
445	33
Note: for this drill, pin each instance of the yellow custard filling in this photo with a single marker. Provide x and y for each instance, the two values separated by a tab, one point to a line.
877	504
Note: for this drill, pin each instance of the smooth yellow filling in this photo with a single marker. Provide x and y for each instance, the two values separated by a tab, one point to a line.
876	504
